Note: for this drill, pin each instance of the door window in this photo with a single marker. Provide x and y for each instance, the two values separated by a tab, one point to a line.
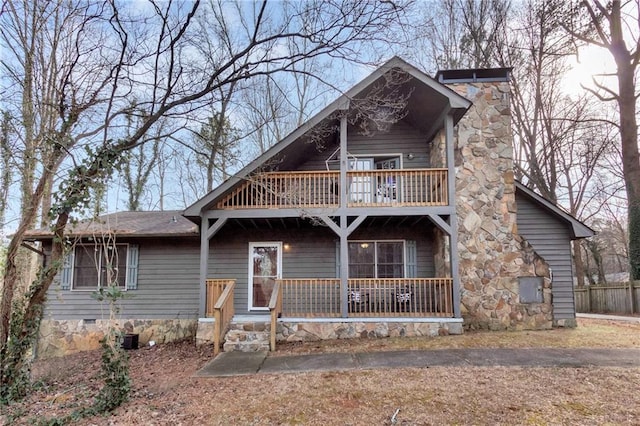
265	267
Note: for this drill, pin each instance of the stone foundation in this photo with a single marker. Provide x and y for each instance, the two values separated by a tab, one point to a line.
63	337
313	331
566	323
247	335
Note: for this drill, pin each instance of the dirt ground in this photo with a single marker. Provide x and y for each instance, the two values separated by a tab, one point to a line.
166	393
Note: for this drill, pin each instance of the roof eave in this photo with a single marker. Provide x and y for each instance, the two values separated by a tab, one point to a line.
578	229
47	237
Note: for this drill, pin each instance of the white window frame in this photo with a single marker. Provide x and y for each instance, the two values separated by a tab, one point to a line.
252	245
375	254
98	285
376	157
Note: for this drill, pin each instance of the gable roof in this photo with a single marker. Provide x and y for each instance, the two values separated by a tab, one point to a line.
456	103
578	229
169	223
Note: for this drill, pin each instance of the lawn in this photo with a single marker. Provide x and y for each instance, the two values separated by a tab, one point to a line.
166	393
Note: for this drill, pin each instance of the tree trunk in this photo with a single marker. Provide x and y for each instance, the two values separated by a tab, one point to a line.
579	264
630	161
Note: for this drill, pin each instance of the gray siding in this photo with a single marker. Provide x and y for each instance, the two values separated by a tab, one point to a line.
311	253
551	239
401	139
168	275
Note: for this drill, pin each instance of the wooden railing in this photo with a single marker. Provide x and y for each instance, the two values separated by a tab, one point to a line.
311	297
400	297
321	189
275	309
214	291
220	292
408	187
367	297
284	190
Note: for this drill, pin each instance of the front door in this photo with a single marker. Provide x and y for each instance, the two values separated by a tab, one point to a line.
265	267
361	189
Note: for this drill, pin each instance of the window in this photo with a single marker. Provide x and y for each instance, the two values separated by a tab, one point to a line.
376	259
91	266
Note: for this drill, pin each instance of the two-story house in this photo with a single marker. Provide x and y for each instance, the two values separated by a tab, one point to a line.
393	211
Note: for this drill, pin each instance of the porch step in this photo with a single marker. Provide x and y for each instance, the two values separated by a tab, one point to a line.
247	337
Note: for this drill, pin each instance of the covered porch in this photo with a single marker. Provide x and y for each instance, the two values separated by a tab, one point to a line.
419	300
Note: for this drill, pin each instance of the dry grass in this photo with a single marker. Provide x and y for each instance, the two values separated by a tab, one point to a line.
165	392
588	334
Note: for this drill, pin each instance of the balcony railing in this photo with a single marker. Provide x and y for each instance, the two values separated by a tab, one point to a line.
367	297
367	188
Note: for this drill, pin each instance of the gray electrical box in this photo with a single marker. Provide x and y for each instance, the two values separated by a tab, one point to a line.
531	289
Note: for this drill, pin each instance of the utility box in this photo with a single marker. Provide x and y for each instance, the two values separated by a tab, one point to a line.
531	289
130	341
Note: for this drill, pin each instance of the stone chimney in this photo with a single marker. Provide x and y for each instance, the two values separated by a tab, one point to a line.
504	283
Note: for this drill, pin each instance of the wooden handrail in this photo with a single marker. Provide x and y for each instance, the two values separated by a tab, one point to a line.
275	308
222	313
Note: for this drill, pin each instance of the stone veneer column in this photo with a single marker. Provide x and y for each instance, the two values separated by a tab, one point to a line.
492	254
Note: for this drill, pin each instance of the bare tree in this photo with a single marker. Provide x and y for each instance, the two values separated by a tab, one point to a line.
265	111
6	170
146	52
614	26
139	162
216	148
457	34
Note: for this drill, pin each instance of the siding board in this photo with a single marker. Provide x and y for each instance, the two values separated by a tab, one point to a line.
168	276
311	253
401	139
551	239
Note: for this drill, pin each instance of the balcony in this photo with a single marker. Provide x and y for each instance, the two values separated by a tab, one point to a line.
321	189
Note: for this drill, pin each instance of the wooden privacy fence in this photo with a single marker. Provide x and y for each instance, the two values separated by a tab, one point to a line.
615	298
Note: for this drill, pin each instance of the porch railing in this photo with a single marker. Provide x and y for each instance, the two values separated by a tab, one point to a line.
313	297
400	297
222	308
214	291
367	297
285	190
321	189
408	187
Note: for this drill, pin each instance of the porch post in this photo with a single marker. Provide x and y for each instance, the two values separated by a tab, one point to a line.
344	246
204	265
344	268
206	233
453	218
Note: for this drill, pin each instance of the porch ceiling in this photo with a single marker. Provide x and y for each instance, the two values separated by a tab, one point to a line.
371	222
